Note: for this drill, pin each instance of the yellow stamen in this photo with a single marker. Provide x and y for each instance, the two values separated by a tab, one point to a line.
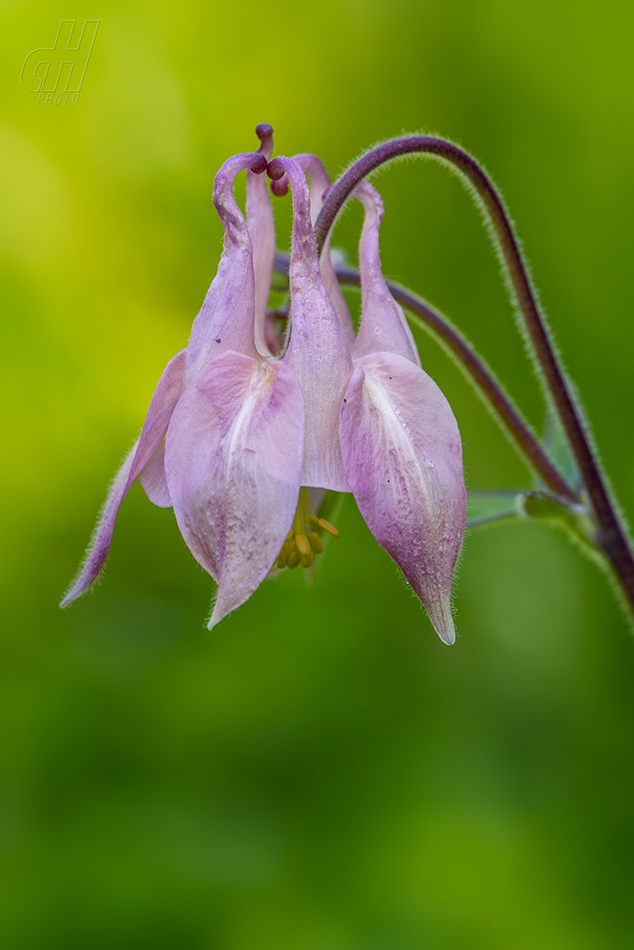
304	540
315	542
307	559
330	528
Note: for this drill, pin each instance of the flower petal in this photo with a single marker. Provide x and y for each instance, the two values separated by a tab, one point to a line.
318	353
226	319
319	180
383	326
154	428
403	456
153	479
233	460
262	230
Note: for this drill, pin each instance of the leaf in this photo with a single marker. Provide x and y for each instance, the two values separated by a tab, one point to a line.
488	506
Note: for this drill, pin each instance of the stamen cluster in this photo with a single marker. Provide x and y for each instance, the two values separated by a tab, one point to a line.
304	539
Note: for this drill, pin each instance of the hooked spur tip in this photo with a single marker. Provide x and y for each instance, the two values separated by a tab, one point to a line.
275	169
264	132
279	179
280	187
258	166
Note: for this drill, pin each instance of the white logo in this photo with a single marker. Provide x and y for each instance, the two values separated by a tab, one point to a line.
57	72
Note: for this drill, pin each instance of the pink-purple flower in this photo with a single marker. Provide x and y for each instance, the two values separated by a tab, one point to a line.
237	433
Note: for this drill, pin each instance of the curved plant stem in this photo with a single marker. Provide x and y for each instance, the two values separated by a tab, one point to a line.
475	368
610	534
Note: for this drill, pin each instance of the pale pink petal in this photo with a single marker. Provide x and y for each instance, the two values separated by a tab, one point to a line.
318	353
233	460
403	456
319	181
383	325
226	319
166	395
155	426
99	544
153	479
262	231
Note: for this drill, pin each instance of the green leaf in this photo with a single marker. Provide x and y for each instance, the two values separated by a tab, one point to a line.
488	506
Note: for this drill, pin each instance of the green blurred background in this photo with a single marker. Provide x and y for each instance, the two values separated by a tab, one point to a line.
320	772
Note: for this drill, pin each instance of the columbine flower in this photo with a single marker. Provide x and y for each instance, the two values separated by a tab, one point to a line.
235	437
230	463
240	433
400	441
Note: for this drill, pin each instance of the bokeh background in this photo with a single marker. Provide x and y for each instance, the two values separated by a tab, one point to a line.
320	772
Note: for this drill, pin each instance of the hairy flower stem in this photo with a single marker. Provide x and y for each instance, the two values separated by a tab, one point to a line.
610	534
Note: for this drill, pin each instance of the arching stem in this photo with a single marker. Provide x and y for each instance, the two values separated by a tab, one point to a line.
610	535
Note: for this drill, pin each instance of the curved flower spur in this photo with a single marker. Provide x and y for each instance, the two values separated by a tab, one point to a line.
235	436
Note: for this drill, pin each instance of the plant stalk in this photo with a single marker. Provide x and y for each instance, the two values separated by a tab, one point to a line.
610	534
